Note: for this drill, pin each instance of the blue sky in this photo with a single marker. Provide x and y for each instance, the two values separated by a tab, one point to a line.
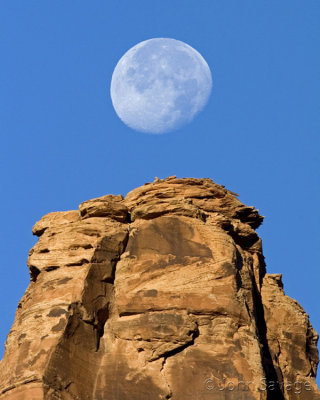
62	143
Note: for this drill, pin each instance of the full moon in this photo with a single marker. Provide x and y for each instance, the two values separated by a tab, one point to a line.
160	85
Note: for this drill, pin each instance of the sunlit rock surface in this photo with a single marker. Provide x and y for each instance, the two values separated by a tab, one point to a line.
159	295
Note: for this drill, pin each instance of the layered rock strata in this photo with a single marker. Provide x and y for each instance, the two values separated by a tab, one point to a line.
162	294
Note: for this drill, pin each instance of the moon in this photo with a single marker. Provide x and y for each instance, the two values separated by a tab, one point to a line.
160	85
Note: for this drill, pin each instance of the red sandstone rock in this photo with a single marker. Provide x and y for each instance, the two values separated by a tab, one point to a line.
161	295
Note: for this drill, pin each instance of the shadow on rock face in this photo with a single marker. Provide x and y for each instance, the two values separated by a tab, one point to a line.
168	235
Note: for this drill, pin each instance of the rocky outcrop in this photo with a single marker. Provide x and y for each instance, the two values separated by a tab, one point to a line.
159	295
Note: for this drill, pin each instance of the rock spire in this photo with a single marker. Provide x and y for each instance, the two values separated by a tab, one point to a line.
162	294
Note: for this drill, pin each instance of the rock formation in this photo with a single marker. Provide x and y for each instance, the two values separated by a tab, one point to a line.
162	294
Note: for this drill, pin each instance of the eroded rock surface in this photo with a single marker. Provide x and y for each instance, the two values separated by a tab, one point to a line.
162	294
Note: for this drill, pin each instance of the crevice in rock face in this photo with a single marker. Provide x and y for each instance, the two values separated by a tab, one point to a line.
153	310
278	369
267	361
81	246
239	265
32	379
97	322
213	313
169	395
102	315
44	251
181	348
262	268
177	350
51	268
34	272
172	353
78	263
272	373
311	349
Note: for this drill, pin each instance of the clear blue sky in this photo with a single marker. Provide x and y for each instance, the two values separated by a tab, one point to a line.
62	143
